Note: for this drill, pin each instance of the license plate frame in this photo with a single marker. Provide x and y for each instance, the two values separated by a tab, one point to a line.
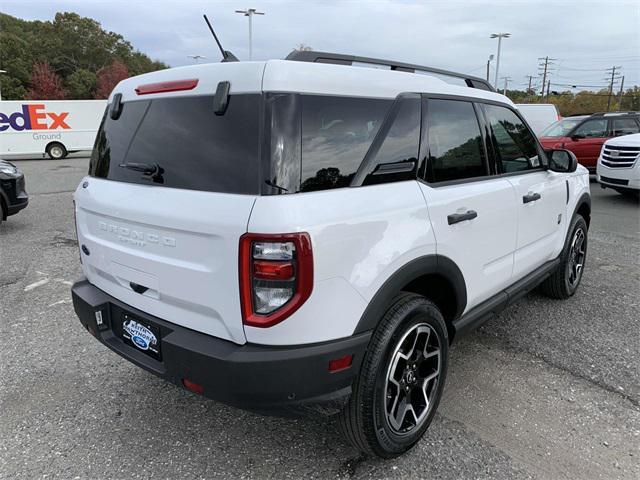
142	335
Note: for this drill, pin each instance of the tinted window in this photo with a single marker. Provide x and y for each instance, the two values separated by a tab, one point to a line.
624	126
561	128
336	134
397	157
515	144
194	148
592	128
455	143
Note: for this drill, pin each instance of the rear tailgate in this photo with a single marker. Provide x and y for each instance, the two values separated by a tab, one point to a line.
171	187
181	245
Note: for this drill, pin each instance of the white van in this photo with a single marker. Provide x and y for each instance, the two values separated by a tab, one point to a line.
539	115
33	128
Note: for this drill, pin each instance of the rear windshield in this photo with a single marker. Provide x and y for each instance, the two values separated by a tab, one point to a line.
180	142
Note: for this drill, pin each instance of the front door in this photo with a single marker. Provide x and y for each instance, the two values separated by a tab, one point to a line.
586	141
540	195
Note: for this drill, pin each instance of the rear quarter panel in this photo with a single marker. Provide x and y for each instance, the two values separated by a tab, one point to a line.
360	237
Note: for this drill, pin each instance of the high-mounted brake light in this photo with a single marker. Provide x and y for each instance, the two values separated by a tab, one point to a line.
276	276
162	87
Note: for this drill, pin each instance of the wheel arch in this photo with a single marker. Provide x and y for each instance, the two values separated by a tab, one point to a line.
583	207
433	276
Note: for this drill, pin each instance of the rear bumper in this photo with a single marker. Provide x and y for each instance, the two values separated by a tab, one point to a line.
289	380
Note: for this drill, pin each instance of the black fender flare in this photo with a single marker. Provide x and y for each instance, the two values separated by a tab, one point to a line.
585	199
428	264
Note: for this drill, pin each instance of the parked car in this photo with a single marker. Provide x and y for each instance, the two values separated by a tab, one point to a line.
619	165
308	236
584	136
13	196
539	115
35	128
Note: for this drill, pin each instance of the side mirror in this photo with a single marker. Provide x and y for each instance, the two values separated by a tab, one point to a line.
562	161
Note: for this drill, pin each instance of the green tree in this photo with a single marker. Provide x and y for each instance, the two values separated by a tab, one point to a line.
70	44
81	84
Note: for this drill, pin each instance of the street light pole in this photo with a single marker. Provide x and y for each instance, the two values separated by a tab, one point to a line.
488	63
196	57
250	13
499	36
1	72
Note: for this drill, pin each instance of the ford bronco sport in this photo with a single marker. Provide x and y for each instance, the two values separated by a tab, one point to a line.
308	235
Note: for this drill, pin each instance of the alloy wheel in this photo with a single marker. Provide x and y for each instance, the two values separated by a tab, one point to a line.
412	379
577	254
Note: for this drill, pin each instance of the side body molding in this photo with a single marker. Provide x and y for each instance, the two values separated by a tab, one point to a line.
426	265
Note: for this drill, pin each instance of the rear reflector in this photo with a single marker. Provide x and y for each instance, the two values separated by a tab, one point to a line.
193	386
272	270
340	363
173	86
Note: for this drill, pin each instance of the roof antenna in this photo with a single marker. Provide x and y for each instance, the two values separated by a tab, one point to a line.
227	56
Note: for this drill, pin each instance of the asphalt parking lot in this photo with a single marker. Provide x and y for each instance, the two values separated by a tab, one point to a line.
548	389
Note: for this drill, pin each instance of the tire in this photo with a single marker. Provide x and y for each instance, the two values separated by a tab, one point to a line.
564	281
56	151
376	420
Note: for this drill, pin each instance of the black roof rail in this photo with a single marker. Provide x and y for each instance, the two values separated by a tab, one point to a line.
602	114
341	59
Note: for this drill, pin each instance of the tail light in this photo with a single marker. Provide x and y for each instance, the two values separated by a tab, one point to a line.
276	276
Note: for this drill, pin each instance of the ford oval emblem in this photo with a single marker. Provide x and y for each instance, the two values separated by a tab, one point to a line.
140	342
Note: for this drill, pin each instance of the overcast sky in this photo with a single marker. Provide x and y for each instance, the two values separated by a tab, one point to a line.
585	37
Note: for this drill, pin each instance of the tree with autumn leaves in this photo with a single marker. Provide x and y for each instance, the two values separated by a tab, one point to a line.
70	57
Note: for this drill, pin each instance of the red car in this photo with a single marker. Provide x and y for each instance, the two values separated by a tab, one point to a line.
584	135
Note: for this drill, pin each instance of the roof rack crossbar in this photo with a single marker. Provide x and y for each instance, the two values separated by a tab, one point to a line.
341	59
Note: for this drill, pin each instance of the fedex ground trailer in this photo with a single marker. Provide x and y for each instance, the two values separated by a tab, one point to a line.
33	128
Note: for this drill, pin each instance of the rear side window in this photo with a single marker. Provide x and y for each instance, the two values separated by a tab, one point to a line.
192	147
515	144
336	134
396	159
624	126
455	143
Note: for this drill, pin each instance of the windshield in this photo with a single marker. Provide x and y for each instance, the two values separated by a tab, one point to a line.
179	142
561	128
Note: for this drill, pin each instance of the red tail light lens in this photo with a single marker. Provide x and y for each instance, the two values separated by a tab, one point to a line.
276	276
163	87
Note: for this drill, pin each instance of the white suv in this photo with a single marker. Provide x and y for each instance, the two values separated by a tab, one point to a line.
619	165
298	235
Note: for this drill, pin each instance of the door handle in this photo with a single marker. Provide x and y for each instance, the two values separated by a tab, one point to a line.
531	197
461	217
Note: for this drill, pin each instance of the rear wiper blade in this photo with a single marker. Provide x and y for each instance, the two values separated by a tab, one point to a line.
151	170
146	168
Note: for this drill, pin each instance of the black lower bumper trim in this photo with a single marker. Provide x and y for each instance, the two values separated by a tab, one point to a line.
273	380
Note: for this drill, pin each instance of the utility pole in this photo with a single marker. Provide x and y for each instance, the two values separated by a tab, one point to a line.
499	36
548	90
250	13
546	66
620	95
613	78
530	77
506	83
488	63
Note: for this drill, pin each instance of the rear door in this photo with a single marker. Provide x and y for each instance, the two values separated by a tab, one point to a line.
170	193
472	212
540	194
